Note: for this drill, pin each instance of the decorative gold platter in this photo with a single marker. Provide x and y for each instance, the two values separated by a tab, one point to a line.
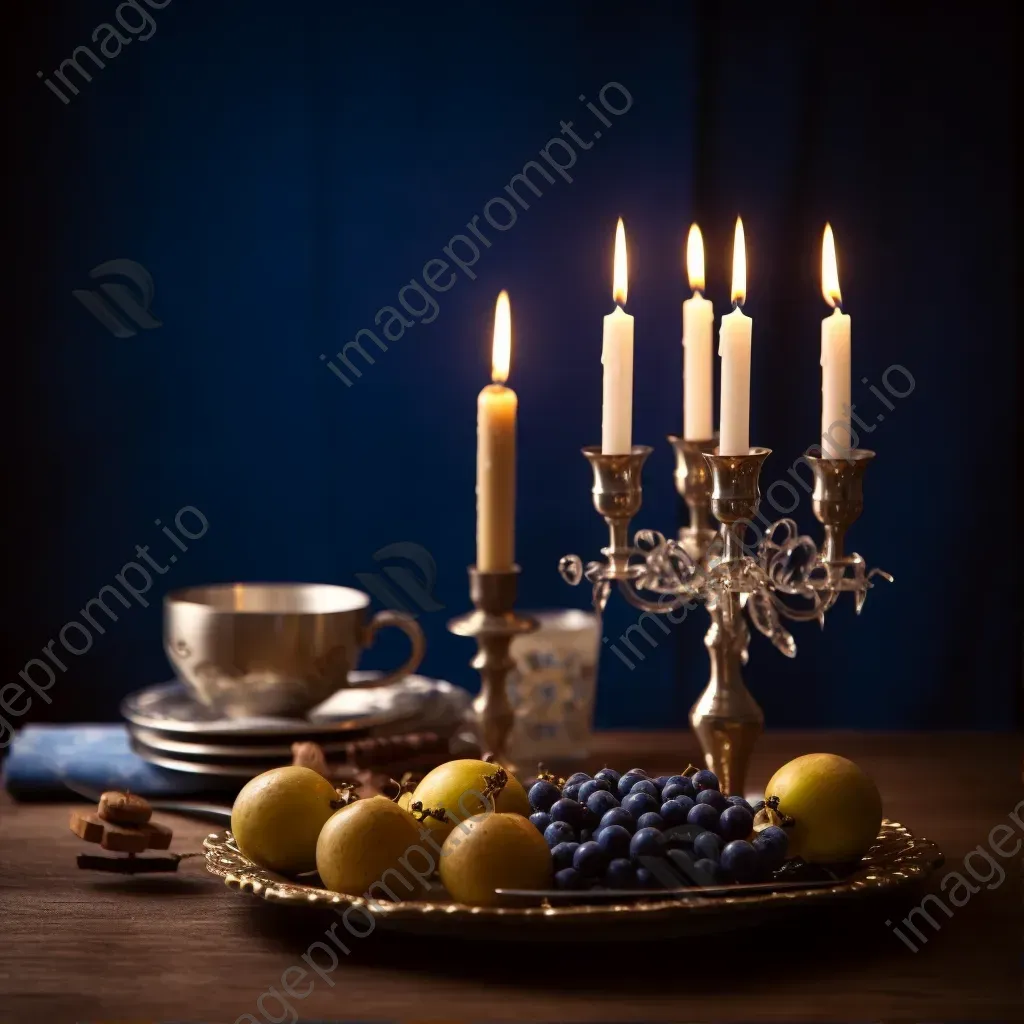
896	859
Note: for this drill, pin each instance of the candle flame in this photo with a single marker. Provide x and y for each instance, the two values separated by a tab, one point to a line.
501	350
830	269
695	258
739	266
619	283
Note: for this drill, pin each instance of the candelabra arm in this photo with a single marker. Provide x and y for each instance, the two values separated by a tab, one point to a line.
660	607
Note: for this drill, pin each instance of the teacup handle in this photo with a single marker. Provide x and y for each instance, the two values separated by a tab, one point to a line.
411	628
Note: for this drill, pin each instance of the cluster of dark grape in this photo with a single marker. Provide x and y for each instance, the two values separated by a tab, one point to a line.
629	831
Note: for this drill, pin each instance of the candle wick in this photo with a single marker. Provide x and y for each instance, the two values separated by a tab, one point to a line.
737	303
838	305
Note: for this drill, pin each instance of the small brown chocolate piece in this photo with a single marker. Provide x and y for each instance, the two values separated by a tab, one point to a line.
124	808
129	865
120	838
86	827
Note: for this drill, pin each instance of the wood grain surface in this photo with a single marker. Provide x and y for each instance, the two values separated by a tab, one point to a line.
81	947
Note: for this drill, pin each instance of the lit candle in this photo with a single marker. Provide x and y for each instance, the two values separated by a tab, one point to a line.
734	348
496	454
835	358
617	357
698	326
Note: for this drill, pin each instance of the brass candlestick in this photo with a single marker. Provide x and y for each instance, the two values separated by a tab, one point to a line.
725	572
493	624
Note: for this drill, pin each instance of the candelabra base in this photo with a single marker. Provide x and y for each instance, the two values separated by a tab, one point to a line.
726	719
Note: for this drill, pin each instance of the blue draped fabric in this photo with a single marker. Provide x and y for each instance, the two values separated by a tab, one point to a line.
283	171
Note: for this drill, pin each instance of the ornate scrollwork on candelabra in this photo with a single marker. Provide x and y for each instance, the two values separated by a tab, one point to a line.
783	576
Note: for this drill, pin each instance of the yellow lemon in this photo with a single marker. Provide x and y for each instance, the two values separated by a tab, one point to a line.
459	787
494	851
836	807
277	817
371	841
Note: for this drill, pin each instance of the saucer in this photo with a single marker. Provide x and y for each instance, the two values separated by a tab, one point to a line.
222	770
229	753
170	710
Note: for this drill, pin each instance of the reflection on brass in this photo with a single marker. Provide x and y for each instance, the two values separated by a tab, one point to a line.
493	624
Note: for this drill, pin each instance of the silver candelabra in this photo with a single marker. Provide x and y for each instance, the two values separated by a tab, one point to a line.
782	575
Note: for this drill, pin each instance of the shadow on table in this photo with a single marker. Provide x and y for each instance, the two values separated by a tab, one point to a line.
163	885
792	944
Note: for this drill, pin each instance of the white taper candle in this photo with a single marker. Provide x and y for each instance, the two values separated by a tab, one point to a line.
734	340
836	438
617	357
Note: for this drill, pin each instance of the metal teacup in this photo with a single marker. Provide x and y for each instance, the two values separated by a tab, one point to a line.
274	648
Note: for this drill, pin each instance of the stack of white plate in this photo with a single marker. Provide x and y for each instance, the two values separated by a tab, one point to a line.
168	727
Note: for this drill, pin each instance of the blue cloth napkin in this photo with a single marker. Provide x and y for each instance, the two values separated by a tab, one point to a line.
44	760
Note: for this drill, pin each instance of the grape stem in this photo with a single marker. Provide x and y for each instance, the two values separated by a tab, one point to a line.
410	780
543	773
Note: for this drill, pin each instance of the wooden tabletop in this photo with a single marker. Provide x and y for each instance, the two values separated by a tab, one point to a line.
76	946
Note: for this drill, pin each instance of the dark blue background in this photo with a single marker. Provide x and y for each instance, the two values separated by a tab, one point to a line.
282	169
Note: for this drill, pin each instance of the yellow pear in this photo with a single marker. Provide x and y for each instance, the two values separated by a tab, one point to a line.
460	788
835	806
494	851
277	817
367	842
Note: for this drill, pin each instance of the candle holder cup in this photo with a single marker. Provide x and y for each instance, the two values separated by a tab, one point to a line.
693	482
493	624
837	501
735	496
618	495
782	575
